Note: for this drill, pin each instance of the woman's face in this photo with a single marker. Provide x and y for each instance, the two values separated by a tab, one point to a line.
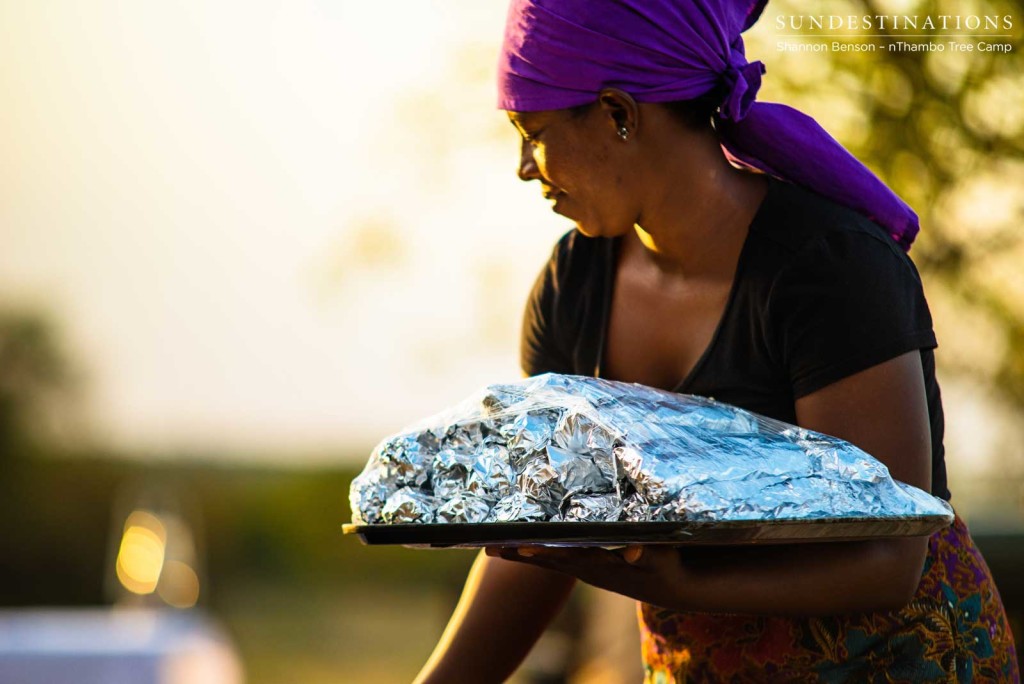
578	160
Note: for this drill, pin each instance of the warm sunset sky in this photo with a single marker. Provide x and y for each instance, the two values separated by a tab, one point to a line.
265	226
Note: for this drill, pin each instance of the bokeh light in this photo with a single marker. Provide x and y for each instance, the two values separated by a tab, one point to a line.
140	559
179	585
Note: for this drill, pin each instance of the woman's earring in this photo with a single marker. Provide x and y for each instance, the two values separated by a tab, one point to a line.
623	132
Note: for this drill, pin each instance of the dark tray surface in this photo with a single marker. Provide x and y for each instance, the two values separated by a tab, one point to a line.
616	533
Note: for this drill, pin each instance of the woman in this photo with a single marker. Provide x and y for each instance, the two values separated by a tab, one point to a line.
782	287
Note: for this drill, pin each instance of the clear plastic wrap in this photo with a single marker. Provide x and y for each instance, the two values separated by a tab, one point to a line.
558	449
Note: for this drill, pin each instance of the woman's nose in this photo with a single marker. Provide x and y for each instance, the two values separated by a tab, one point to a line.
527	164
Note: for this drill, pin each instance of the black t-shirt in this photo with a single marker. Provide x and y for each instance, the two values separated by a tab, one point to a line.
820	293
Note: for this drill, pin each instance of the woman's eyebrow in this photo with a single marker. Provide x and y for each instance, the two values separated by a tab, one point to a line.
518	124
519	120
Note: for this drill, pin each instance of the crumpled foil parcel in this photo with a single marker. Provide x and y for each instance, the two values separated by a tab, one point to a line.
564	448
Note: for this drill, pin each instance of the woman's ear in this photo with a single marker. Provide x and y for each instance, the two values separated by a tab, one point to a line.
621	110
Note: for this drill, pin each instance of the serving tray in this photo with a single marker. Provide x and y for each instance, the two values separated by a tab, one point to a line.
464	535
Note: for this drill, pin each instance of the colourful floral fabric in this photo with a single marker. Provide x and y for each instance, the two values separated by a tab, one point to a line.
955	630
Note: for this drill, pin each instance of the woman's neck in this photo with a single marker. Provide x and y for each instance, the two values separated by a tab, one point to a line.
699	210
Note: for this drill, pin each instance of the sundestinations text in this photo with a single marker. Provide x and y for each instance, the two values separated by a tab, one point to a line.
893	22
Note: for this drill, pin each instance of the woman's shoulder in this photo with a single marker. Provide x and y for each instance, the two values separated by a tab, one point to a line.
575	244
797	227
576	258
562	304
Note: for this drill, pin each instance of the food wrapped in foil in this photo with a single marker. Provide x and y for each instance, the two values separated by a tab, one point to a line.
560	448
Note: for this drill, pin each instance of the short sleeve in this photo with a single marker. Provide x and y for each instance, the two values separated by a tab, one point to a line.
848	301
539	348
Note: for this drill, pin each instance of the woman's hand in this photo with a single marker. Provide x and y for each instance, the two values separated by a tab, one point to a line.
825	578
651	573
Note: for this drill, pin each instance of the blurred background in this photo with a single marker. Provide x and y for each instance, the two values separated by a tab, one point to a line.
242	242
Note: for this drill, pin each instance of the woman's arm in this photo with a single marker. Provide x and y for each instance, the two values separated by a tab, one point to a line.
884	411
503	611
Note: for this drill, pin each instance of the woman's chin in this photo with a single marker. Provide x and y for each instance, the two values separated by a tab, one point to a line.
590	230
583	230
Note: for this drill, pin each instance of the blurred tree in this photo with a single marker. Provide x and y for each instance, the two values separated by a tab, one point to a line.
34	376
946	130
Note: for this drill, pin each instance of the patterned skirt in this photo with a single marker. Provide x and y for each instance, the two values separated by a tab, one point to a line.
955	630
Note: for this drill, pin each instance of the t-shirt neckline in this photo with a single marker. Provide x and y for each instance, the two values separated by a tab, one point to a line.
612	253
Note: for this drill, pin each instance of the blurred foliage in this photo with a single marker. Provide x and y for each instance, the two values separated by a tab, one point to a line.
946	131
35	376
260	525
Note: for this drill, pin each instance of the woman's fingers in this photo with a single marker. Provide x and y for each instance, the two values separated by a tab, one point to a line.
639	571
576	556
582	560
632	554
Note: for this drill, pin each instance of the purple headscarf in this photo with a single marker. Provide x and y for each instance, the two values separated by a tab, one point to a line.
561	53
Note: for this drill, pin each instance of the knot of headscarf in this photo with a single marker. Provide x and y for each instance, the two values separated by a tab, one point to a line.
561	53
742	80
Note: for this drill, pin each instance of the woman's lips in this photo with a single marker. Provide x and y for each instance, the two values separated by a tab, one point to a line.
554	195
556	201
550	192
